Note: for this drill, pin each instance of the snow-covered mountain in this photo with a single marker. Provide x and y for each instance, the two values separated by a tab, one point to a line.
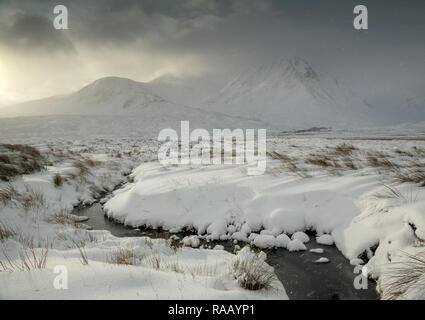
190	91
284	94
290	93
106	96
125	99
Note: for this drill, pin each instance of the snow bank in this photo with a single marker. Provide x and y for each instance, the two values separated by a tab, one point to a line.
325	239
158	272
296	245
299	235
223	202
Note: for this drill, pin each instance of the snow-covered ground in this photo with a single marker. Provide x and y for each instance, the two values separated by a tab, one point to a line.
351	195
39	235
360	192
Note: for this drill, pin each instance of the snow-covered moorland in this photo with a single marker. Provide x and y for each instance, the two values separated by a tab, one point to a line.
363	194
366	198
39	235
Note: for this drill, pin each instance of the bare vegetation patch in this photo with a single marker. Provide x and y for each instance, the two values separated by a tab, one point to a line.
80	245
6	232
389	193
28	199
157	262
123	256
25	149
403	276
17	159
404	153
29	259
345	149
252	273
381	161
81	166
416	176
288	163
349	164
7	194
57	180
62	217
319	160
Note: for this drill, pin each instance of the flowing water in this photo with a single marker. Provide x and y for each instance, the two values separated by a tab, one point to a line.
301	277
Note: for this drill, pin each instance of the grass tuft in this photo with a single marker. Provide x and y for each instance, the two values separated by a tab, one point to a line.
345	149
123	256
57	180
251	271
6	232
17	159
403	276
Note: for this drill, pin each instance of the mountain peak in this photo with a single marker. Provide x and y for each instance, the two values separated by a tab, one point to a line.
289	92
111	83
113	87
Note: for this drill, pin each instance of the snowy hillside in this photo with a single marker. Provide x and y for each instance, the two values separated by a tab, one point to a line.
129	104
290	93
106	96
187	91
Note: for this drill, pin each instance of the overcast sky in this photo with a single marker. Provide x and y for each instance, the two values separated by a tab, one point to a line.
142	40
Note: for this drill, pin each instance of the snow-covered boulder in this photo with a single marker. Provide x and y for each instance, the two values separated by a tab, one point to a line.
302	236
296	245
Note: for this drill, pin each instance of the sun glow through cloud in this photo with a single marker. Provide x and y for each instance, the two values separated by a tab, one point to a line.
2	84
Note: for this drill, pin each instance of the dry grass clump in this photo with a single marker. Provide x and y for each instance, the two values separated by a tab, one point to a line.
123	256
412	172
17	159
381	161
389	193
404	153
90	162
204	270
251	272
403	276
62	217
7	171
7	194
28	199
31	199
83	165
416	176
348	163
4	159
345	149
80	245
288	163
156	262
25	149
29	259
6	232
319	160
57	180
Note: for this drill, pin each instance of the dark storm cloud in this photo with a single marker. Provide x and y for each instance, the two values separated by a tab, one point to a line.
27	31
226	36
124	21
256	27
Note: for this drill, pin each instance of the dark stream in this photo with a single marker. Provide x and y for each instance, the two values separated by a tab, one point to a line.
302	278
